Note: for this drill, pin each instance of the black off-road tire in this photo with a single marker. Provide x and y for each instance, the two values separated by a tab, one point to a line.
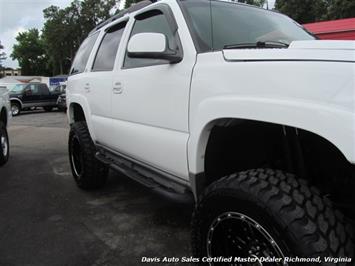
299	219
93	174
48	108
4	136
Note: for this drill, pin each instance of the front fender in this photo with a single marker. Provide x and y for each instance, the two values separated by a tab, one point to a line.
17	100
308	116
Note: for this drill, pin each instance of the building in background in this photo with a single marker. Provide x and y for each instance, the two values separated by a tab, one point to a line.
342	29
8	71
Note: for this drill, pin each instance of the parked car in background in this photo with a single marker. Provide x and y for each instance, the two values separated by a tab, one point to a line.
4	117
62	99
31	95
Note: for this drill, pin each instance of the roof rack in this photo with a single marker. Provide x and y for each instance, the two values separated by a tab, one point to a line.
132	8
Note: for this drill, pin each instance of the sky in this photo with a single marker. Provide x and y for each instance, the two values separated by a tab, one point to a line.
20	15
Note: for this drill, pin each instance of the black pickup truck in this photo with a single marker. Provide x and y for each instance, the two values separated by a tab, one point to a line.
32	95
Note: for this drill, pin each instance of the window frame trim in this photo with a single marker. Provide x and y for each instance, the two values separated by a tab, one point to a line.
104	32
85	67
166	10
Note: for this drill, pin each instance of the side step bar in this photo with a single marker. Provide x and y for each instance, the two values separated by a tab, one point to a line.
159	182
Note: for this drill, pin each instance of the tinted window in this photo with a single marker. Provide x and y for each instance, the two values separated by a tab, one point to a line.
154	22
217	24
83	54
34	88
43	89
106	55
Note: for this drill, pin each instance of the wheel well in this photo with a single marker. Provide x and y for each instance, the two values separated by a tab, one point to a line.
16	101
3	116
244	144
76	113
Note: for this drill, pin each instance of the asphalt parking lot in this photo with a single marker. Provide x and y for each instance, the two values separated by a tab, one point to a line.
46	220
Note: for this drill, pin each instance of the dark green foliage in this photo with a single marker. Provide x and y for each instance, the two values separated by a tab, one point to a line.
30	53
66	28
341	9
253	2
128	3
303	11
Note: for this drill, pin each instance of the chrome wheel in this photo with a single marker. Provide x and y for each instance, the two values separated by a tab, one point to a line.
76	157
237	235
15	109
4	145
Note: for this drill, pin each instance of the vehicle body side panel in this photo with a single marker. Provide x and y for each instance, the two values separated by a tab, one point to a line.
307	95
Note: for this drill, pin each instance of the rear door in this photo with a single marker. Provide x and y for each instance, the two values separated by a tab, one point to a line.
45	97
100	81
79	74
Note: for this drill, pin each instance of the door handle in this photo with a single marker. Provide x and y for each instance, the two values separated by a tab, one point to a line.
87	87
117	88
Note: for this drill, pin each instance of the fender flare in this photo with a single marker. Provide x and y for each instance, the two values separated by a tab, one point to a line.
308	116
82	102
18	100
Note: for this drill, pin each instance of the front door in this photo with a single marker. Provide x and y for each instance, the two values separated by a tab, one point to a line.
31	95
150	100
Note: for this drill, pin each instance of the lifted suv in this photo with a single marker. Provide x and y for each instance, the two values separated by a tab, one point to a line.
234	106
4	116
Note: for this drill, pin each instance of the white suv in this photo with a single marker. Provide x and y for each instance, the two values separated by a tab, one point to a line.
4	117
235	107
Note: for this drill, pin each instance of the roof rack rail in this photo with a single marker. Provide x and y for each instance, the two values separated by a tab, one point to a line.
132	8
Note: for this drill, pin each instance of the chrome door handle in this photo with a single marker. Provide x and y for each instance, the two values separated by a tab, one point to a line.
87	87
117	88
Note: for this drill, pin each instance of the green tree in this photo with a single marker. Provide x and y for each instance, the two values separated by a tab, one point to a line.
65	29
341	9
61	36
303	11
128	3
93	12
253	2
2	55
30	53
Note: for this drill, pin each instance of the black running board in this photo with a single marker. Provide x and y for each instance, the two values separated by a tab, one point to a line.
169	186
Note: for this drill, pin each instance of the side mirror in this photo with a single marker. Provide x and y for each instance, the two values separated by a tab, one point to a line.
152	45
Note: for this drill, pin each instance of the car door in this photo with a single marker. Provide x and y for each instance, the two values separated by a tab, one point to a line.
31	95
79	73
45	96
100	80
150	100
